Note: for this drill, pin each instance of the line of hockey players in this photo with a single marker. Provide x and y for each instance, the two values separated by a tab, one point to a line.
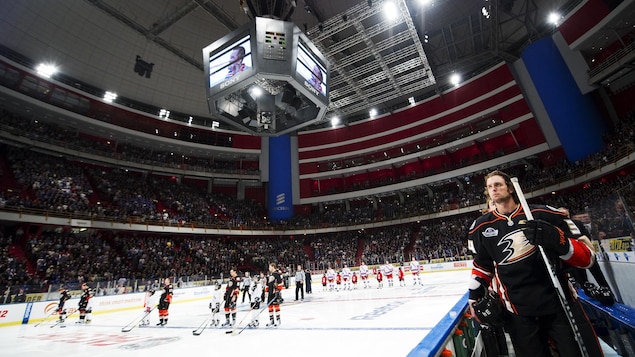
346	280
261	290
84	307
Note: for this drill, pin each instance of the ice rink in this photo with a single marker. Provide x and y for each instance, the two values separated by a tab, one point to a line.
363	322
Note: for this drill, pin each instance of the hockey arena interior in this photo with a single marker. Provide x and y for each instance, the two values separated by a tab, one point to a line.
313	176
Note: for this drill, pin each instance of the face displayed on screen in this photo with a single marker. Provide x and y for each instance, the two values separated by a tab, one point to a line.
230	62
310	69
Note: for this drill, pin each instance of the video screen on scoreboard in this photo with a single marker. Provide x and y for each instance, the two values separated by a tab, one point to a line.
311	69
231	62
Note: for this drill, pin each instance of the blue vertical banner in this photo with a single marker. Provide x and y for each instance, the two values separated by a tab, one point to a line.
574	116
279	195
27	313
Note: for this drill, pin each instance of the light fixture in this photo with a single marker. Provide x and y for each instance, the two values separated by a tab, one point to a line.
455	79
164	113
485	12
46	70
110	96
335	121
554	18
411	100
373	113
390	10
255	91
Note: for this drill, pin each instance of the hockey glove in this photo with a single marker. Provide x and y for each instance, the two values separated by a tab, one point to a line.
539	232
489	309
232	305
256	299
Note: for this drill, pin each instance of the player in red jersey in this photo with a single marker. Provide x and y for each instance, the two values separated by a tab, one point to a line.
402	282
380	279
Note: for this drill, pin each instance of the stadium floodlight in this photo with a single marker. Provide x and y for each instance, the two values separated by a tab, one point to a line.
46	69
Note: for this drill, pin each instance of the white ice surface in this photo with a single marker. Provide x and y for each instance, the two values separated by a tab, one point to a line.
364	322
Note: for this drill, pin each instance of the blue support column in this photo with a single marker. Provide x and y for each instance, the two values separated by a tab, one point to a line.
279	194
575	117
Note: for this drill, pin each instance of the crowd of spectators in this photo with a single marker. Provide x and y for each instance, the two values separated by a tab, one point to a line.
70	138
55	184
59	256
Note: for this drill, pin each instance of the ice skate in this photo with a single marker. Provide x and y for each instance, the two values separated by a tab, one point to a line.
604	296
588	288
226	324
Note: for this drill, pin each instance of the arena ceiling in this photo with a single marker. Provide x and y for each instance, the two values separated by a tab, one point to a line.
375	63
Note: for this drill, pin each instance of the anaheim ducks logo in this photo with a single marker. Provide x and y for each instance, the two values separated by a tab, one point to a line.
516	247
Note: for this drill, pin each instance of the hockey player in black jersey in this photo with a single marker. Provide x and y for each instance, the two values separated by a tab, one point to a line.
274	298
84	310
164	302
506	253
64	296
231	298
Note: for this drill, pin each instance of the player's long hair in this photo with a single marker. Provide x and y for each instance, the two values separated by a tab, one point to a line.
508	182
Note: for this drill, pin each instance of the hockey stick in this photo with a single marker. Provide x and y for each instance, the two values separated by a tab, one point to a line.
552	274
137	320
46	318
257	314
199	330
233	331
60	321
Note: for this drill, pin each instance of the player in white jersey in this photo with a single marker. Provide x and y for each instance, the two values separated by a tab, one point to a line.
363	274
330	278
388	272
415	269
346	277
256	297
150	300
214	306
